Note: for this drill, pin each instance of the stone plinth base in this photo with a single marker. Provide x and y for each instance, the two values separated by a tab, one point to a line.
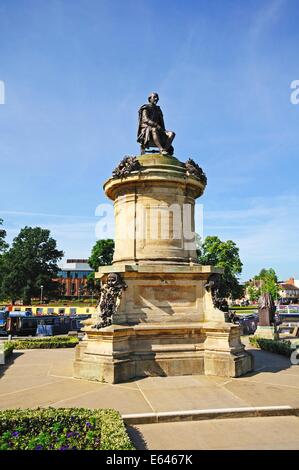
163	294
119	353
267	332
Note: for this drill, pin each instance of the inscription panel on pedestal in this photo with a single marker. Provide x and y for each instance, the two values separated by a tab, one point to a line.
165	295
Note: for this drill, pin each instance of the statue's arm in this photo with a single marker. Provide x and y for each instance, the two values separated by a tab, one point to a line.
146	120
162	124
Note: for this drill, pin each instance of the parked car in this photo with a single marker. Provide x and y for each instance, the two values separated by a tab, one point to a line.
248	323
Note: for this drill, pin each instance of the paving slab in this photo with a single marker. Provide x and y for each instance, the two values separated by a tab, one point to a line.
200	397
270	360
260	394
246	433
288	379
178	382
45	394
14	384
124	400
294	370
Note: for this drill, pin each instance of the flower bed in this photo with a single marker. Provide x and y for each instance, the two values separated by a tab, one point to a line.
46	343
62	429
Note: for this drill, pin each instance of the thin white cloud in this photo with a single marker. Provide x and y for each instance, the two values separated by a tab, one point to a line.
266	17
259	208
41	214
266	233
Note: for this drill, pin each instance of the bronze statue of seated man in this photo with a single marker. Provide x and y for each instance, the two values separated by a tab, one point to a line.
151	128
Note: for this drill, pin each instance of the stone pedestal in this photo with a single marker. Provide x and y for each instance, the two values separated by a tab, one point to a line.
119	353
154	213
266	332
166	323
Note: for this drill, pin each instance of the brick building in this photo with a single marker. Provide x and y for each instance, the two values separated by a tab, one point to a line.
73	277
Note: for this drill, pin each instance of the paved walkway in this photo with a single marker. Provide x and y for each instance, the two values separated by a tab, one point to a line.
44	378
279	432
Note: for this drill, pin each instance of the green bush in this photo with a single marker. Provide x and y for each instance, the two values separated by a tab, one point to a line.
247	309
8	348
46	343
271	345
62	429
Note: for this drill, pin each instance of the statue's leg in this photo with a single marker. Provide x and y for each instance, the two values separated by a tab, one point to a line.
171	150
157	141
169	138
142	150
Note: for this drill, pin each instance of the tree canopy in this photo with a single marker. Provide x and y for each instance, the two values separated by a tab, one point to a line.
31	262
101	253
268	283
3	244
223	255
253	293
266	274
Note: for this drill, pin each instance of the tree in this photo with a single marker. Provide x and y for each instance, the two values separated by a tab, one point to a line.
101	253
223	255
266	274
3	248
30	263
269	281
93	286
3	244
253	293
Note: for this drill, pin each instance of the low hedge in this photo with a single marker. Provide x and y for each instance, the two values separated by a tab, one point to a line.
8	348
245	307
271	345
63	429
46	343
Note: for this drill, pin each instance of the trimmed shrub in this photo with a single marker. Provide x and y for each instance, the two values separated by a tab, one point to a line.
46	343
62	429
244	307
8	348
271	345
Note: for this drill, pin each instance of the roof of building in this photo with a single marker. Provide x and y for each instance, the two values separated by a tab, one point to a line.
285	286
291	281
76	265
77	260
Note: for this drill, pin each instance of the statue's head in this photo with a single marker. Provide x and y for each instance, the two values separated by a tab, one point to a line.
113	279
153	98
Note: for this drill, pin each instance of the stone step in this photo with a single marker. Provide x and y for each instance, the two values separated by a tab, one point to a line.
218	413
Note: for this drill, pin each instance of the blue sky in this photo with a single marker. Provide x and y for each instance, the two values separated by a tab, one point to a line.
75	73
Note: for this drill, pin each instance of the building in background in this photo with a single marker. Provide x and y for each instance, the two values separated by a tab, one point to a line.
292	281
72	277
289	290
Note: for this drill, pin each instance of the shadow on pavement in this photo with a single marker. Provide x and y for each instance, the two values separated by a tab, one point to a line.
137	438
9	361
265	361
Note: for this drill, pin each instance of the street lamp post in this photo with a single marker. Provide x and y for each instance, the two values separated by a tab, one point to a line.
41	294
